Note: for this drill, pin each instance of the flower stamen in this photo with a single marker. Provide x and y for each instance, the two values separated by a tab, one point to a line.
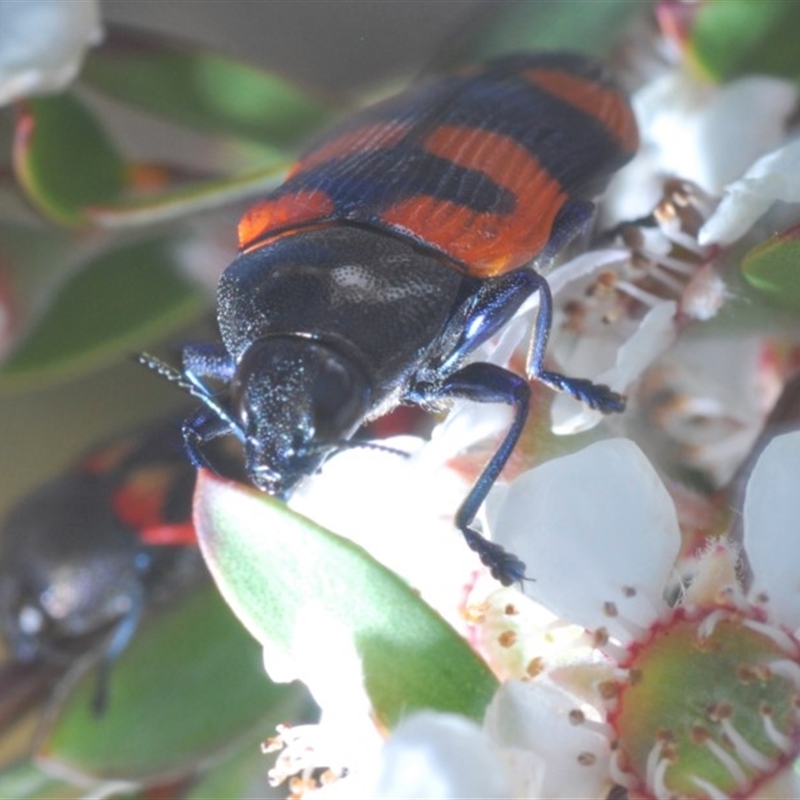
656	773
578	717
787	669
749	754
646	298
658	272
783	742
781	638
713	792
727	761
618	770
706	628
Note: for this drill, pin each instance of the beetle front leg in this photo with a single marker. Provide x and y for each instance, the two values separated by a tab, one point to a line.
485	383
203	426
207	360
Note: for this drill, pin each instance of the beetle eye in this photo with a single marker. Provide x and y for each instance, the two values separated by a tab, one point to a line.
338	399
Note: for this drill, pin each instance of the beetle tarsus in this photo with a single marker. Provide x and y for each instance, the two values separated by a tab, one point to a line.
504	566
595	395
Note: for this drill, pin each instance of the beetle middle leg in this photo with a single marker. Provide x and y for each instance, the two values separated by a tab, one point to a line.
595	395
485	383
494	305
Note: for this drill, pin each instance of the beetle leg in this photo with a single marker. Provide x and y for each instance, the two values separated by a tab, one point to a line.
203	426
215	418
120	638
207	360
595	395
495	303
485	383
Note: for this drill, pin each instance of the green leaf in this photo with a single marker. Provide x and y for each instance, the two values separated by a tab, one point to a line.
729	38
180	202
203	90
278	570
63	159
122	300
33	262
773	267
236	778
190	684
591	26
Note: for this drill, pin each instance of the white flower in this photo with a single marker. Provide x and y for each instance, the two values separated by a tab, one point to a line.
597	522
435	756
42	44
697	131
775	176
705	401
400	509
600	535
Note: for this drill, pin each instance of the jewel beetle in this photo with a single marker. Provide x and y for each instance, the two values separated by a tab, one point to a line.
403	239
87	553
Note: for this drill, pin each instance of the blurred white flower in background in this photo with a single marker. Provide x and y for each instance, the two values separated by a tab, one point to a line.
697	131
43	43
775	176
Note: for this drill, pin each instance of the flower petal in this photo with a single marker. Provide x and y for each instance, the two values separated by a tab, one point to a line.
439	756
650	339
42	44
775	176
549	754
706	399
771	512
591	527
400	510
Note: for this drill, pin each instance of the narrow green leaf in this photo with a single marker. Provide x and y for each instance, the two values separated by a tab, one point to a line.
591	26
191	683
203	90
773	267
176	203
63	160
278	570
119	302
729	38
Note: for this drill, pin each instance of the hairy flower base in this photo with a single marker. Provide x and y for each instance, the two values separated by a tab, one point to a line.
709	707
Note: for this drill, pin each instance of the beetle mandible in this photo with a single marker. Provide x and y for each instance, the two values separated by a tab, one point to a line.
401	241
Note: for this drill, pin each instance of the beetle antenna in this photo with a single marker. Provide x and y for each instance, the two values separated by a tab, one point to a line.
351	444
188	385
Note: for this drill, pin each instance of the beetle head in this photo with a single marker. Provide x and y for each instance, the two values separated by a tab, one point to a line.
297	399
